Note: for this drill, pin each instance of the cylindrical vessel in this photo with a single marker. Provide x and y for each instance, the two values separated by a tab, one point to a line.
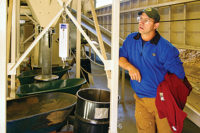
46	56
92	111
46	53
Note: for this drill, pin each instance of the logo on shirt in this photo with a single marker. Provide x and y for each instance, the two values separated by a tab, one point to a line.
153	54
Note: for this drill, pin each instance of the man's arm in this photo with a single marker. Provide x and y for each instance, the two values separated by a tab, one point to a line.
169	57
134	73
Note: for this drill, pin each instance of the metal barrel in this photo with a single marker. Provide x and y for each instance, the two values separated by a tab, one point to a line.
92	111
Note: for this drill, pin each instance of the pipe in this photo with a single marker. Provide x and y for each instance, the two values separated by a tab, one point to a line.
46	55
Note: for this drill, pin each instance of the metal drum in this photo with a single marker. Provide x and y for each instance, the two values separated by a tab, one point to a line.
92	111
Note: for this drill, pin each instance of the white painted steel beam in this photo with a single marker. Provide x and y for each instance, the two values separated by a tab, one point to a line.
25	10
115	66
30	37
18	32
66	3
60	2
78	42
3	65
13	47
32	19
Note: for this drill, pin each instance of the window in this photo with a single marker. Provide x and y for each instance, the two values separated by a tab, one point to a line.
100	3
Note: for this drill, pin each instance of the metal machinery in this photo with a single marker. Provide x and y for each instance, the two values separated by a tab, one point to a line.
46	14
40	9
46	53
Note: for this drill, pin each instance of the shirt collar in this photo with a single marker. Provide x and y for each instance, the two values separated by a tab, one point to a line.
154	40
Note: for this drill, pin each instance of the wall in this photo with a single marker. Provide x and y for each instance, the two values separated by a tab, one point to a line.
180	19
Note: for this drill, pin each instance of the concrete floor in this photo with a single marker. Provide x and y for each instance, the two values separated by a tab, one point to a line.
126	119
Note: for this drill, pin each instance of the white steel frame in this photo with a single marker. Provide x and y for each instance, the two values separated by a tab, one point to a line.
3	65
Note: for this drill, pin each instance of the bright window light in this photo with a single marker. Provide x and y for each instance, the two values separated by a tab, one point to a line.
100	3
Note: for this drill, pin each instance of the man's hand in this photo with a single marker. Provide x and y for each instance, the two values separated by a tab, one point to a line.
134	73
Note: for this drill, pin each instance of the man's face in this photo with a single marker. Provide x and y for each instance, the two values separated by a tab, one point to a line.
146	24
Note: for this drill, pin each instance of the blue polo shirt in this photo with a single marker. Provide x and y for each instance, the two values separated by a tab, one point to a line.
153	59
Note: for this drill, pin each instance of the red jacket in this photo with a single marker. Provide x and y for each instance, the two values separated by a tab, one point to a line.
170	100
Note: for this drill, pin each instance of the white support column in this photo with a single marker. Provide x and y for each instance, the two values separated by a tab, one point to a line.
9	29
18	32
115	66
78	41
13	48
3	65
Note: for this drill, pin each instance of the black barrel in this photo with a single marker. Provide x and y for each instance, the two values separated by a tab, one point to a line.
92	111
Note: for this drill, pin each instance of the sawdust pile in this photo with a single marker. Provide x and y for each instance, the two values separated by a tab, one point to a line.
190	56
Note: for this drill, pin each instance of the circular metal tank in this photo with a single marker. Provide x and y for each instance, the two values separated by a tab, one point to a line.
92	111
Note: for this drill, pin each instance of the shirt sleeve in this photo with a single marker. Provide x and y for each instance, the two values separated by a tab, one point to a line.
171	61
123	51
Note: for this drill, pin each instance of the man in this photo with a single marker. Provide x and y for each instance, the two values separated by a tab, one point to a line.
148	57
